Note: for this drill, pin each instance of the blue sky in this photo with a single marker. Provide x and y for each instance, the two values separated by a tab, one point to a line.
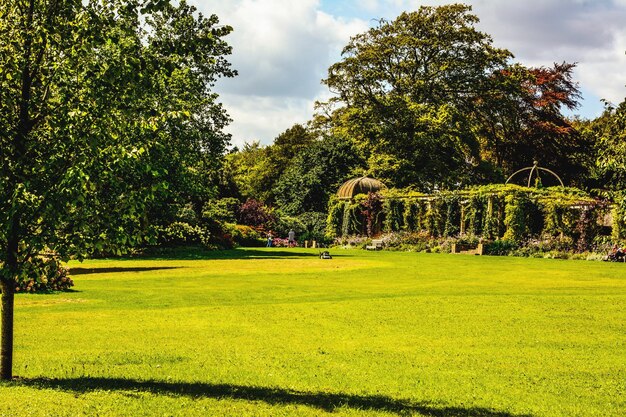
283	48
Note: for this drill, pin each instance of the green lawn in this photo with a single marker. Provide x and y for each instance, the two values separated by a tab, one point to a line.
276	332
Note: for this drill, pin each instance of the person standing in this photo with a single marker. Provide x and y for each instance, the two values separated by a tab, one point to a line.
291	238
270	238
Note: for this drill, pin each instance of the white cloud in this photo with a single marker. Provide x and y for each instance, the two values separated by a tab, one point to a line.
589	33
263	117
281	49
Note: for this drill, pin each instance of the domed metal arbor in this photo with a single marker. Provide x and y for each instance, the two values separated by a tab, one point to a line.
361	185
534	170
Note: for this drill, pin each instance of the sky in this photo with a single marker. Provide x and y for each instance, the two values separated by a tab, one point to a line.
282	50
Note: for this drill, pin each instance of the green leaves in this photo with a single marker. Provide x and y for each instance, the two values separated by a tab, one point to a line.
101	122
404	89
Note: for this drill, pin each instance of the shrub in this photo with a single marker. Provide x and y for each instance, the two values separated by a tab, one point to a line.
280	242
500	247
181	234
248	237
222	210
51	276
353	241
186	214
255	213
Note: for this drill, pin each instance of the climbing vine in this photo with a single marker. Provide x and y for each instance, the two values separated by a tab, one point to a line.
491	212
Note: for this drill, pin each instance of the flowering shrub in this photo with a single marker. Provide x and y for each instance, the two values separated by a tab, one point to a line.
353	241
281	243
180	233
557	247
52	276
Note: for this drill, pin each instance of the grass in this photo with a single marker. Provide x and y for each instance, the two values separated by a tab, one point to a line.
271	332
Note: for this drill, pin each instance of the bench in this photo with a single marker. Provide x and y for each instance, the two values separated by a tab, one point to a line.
467	249
377	244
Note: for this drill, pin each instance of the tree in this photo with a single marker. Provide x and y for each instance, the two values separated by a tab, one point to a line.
247	169
315	174
289	144
95	98
609	132
520	120
256	169
404	92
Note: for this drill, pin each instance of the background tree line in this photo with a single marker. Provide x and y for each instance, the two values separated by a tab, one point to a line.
426	101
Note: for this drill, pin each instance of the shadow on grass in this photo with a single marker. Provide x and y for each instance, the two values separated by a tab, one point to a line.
84	271
274	396
235	254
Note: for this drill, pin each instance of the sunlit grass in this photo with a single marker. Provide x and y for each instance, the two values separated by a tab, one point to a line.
280	332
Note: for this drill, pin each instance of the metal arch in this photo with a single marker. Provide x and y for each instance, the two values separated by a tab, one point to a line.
553	173
535	167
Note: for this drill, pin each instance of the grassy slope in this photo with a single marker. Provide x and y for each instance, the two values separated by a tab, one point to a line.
273	332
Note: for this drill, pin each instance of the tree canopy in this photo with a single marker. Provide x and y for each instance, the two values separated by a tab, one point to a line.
432	104
103	105
404	89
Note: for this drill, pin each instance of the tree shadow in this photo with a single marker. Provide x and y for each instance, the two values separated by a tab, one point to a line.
233	254
274	396
106	270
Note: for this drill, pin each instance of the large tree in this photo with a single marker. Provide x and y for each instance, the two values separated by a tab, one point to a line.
520	120
256	169
404	91
100	101
315	174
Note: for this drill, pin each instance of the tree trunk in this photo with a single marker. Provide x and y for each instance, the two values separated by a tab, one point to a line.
6	359
11	264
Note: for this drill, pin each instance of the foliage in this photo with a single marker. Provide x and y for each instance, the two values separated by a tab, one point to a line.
609	131
352	241
619	216
187	214
521	121
255	213
315	174
280	242
107	117
515	219
314	226
222	210
246	236
452	216
245	172
372	207
508	212
586	229
50	147
183	234
255	170
334	220
394	214
47	275
404	91
283	223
